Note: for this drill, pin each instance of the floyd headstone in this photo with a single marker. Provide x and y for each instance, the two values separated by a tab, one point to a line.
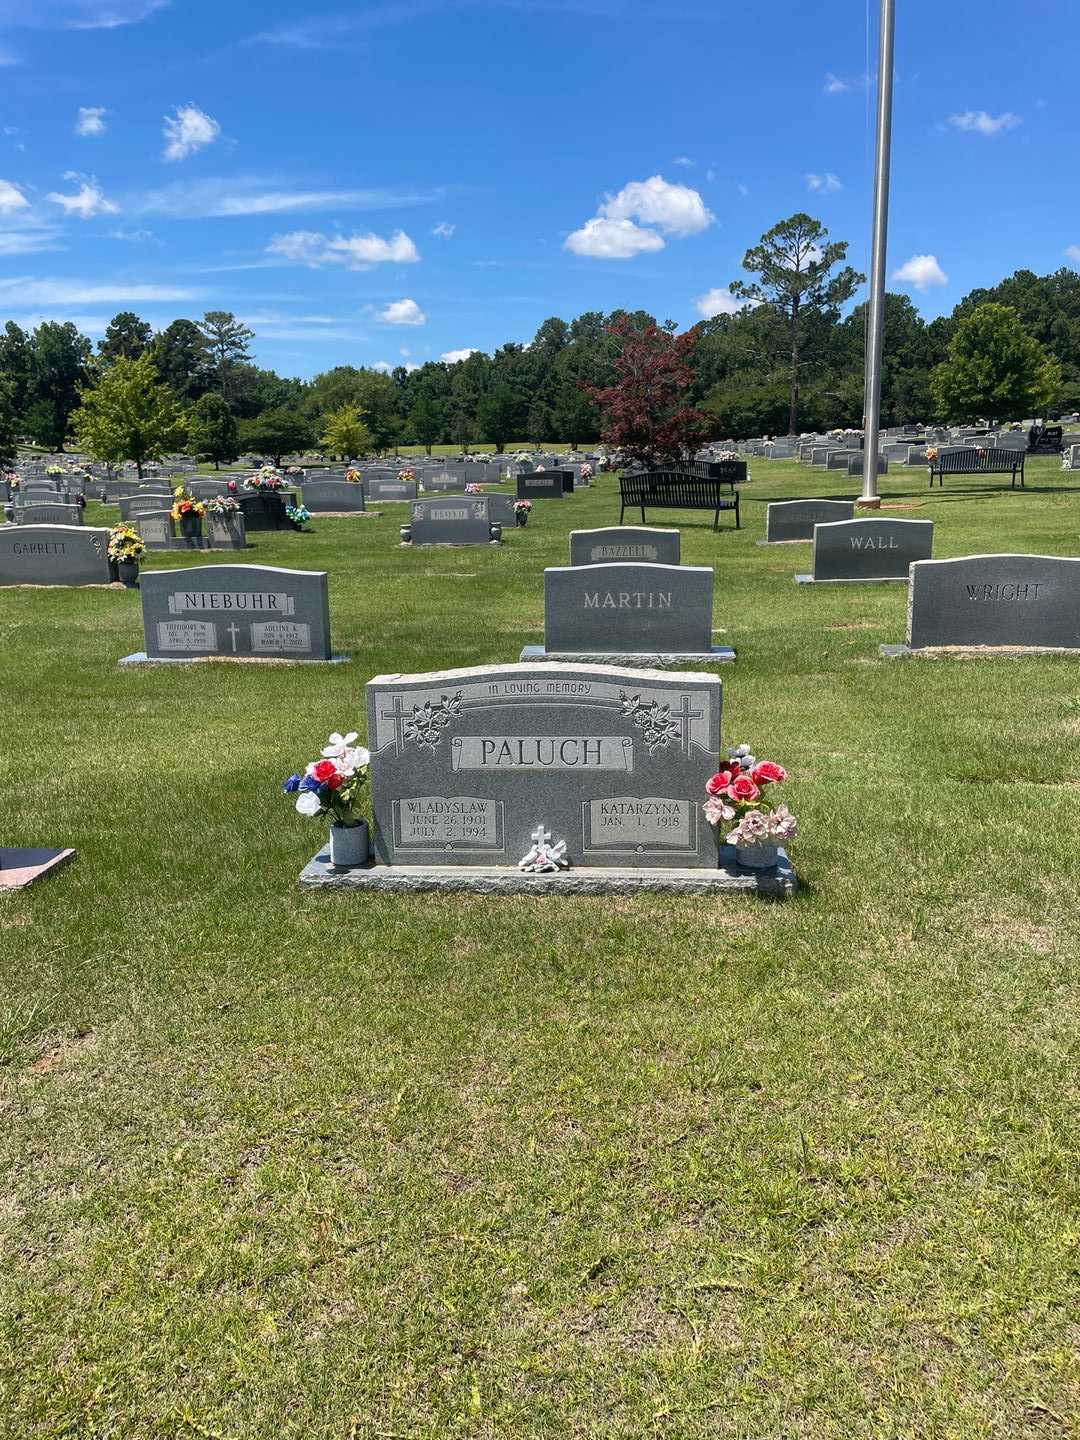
455	520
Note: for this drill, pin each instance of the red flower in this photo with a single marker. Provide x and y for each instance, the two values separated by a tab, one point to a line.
720	781
743	788
324	772
335	781
767	773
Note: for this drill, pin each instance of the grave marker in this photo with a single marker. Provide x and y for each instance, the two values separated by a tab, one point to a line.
55	555
795	519
644	543
875	549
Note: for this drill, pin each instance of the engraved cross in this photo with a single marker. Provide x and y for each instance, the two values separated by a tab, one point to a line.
685	715
397	714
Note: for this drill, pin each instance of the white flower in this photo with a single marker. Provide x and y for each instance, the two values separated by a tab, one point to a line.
339	744
308	803
352	760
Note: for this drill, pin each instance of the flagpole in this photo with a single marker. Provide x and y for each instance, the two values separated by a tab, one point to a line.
876	325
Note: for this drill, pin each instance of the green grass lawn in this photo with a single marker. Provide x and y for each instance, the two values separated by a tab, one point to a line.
283	1165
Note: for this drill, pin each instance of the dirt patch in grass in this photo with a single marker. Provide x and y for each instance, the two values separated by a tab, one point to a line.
61	1049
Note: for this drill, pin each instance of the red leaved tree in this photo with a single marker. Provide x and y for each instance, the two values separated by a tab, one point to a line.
647	413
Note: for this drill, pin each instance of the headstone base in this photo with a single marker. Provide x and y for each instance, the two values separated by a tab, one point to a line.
773	544
140	657
780	881
639	660
20	868
854	580
974	652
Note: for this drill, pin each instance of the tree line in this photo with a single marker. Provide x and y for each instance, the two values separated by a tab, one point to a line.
788	360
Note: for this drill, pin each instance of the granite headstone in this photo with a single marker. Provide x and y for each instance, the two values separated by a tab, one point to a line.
879	548
995	600
55	555
644	543
795	519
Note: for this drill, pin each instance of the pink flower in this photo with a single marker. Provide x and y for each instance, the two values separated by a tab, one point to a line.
715	810
719	782
766	773
743	788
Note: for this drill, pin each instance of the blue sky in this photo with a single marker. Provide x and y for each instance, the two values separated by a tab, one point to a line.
399	180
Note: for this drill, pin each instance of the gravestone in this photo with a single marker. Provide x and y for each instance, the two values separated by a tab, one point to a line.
55	555
389	489
541	485
644	543
327	496
795	519
156	529
857	462
251	612
444	483
993	602
629	613
226	532
265	509
39	513
874	549
132	505
463	520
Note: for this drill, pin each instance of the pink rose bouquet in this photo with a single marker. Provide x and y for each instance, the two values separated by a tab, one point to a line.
737	796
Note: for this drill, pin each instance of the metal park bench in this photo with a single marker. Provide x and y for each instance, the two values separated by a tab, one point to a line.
676	490
978	462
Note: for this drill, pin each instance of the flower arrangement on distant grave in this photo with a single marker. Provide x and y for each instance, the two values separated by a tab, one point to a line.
473	489
731	454
223	505
265	478
931	452
408	475
298	514
13	479
737	792
295	470
185	506
54	470
352	475
331	786
585	473
125	543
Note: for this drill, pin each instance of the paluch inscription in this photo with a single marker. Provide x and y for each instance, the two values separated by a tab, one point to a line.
466	764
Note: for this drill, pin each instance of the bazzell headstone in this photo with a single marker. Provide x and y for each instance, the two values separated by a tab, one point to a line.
993	602
629	613
471	769
251	612
455	520
624	542
55	555
795	519
876	549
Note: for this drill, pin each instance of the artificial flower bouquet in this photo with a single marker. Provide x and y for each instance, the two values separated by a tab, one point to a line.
223	505
13	479
408	475
352	475
331	786
473	489
298	514
125	543
54	470
585	473
931	452
522	507
185	506
738	796
265	478
296	472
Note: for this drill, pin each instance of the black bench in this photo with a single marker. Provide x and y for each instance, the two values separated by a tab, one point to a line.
676	490
978	462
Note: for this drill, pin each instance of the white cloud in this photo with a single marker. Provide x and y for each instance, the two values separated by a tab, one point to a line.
12	200
357	252
743	190
834	85
979	122
921	271
89	200
602	239
239	196
27	242
95	15
383	367
73	292
405	351
190	129
90	122
444	230
827	184
719	302
674	209
454	357
137	237
683	160
402	312
1072	252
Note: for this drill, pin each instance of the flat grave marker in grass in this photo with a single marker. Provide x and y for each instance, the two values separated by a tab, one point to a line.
234	612
629	613
993	603
471	769
55	555
871	550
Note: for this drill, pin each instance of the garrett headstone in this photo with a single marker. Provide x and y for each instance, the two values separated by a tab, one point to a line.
628	612
643	543
248	611
795	519
873	549
55	555
995	601
466	764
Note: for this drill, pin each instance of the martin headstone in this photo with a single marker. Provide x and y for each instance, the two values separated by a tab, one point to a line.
234	611
466	764
795	519
647	544
455	520
994	602
55	555
878	548
629	613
